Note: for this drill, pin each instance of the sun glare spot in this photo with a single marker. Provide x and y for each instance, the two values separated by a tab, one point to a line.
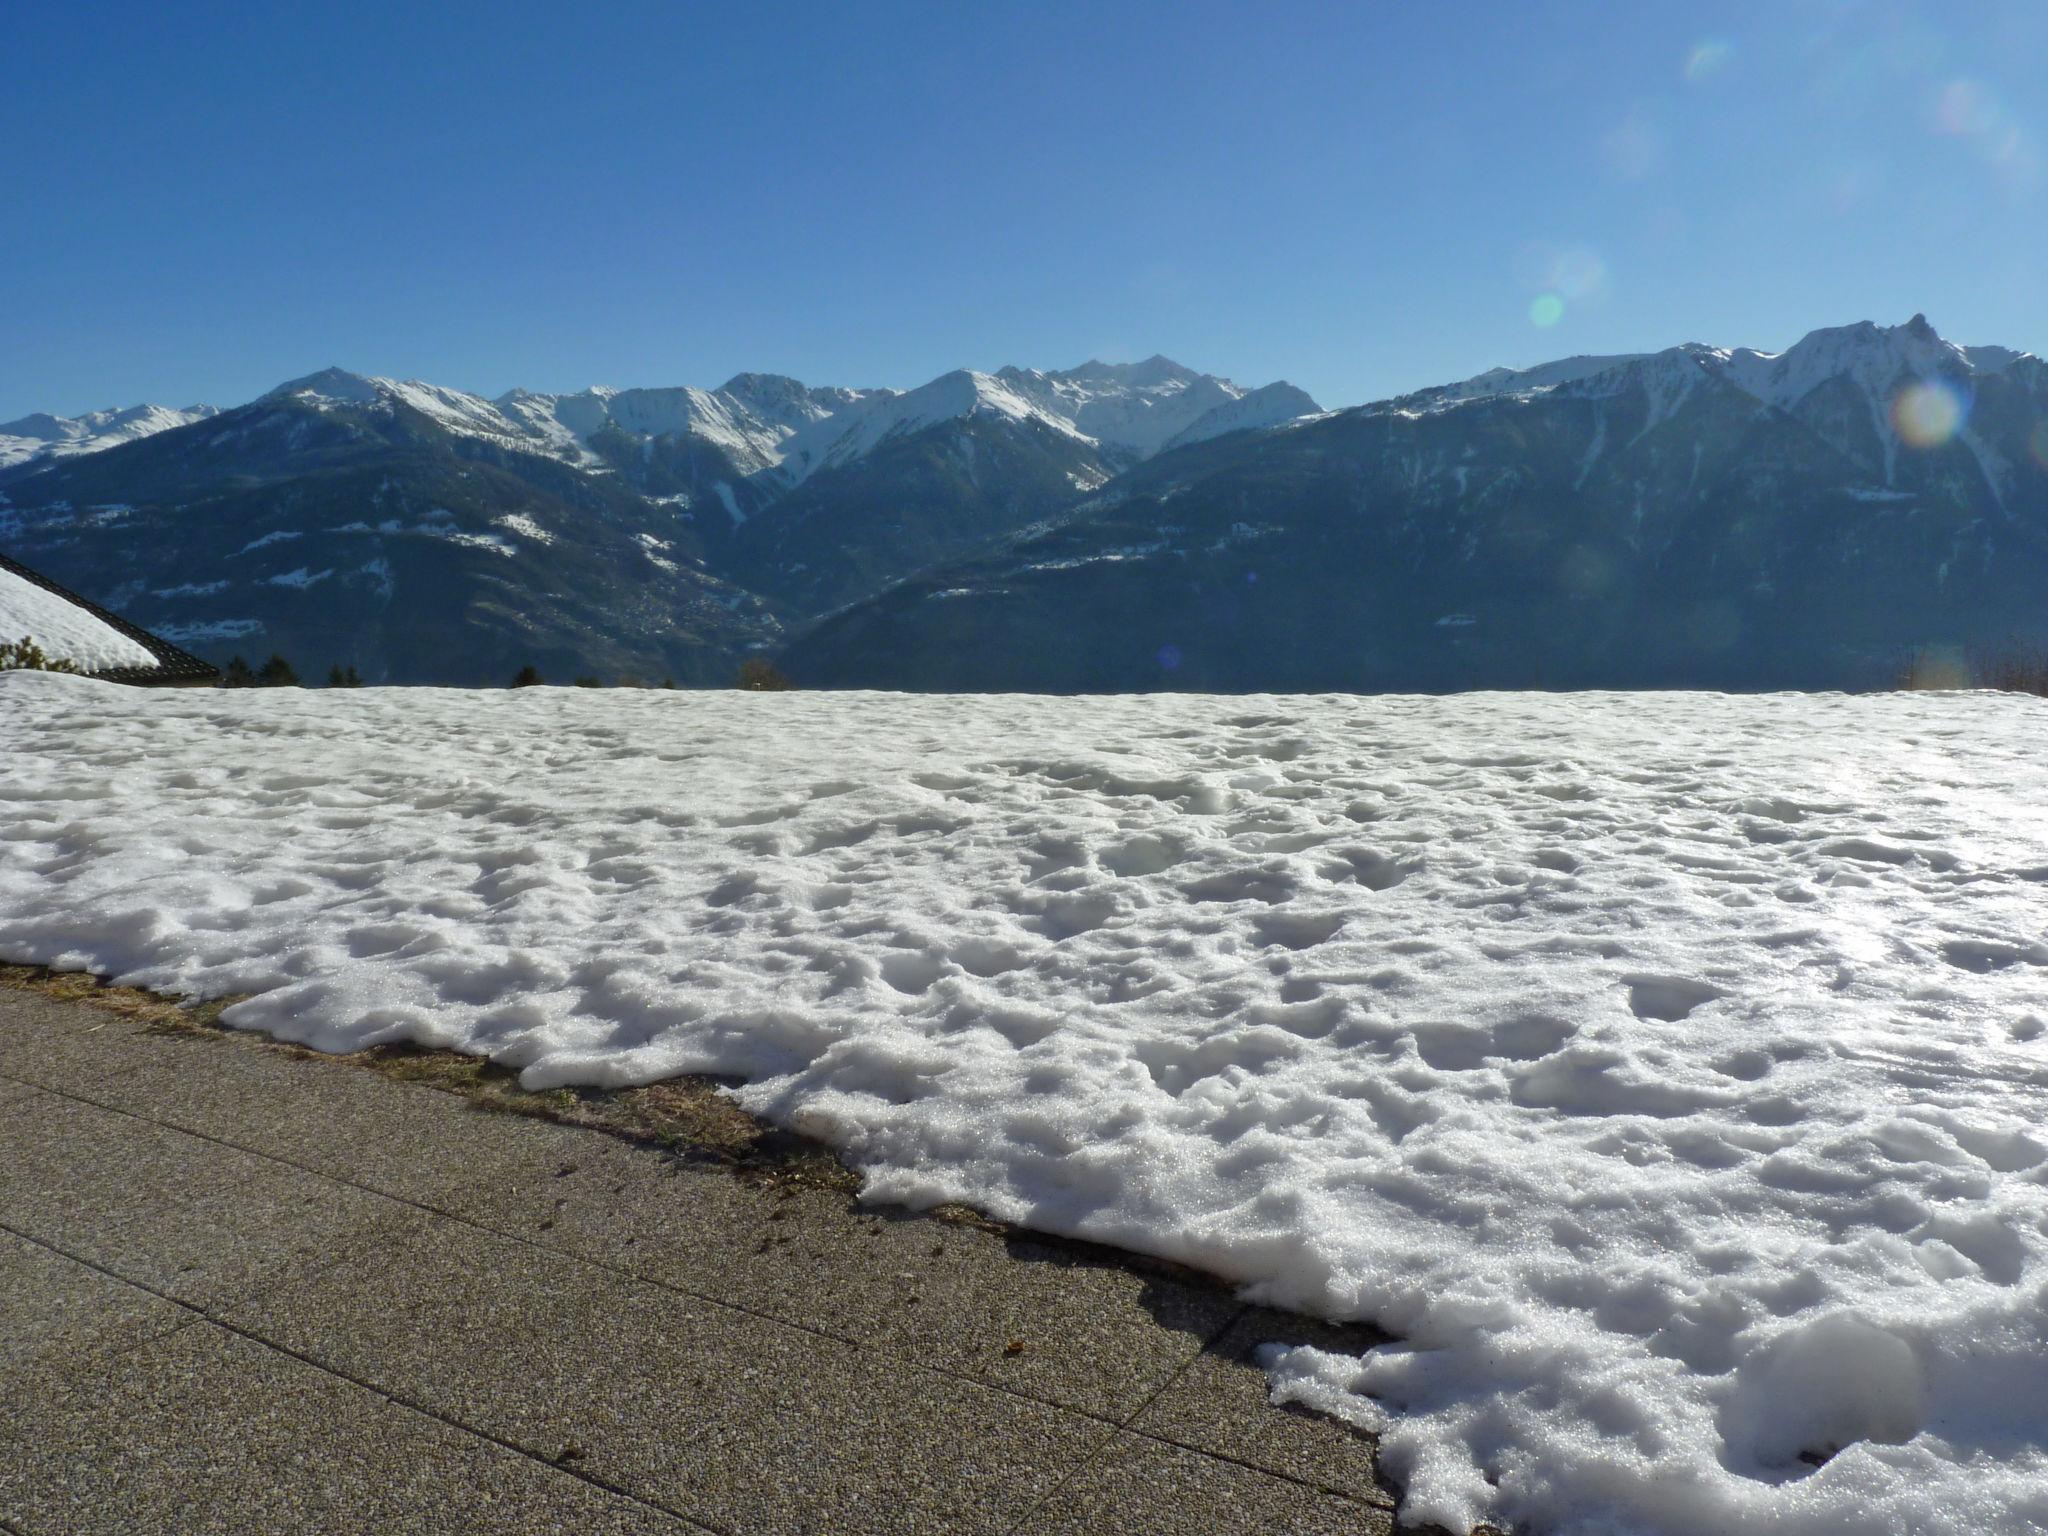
1927	414
2037	443
1545	310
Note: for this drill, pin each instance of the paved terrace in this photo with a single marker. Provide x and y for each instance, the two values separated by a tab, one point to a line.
242	1289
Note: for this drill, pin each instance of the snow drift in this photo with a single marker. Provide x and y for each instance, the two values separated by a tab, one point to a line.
1665	1070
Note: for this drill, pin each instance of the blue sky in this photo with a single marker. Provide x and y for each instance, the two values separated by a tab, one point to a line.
205	200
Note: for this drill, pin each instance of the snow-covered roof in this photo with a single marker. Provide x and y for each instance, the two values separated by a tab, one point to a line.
67	628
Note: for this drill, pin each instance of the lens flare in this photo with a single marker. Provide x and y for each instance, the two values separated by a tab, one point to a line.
2037	443
1577	272
1927	414
1965	107
1634	147
1971	111
1545	310
1169	658
1707	56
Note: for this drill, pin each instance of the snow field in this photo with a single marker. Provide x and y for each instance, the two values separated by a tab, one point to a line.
64	631
1665	1070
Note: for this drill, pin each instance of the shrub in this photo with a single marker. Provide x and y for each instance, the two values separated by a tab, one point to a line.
24	655
339	676
527	676
237	674
760	675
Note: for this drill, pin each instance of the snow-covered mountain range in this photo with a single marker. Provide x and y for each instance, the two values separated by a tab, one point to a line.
1866	373
45	437
1697	516
1693	515
763	503
768	423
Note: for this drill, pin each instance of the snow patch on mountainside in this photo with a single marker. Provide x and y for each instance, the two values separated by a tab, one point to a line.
766	425
855	432
749	418
56	437
1272	405
1134	409
1876	358
1878	363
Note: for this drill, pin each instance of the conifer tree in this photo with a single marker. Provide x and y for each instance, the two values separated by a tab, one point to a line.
276	673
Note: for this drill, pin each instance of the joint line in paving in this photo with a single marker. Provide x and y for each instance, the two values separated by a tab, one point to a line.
1095	1451
397	1400
594	1262
1128	1424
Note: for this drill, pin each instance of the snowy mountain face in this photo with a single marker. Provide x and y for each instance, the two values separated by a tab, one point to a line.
395	528
659	532
47	437
782	431
1692	517
893	483
1127	411
1839	380
748	420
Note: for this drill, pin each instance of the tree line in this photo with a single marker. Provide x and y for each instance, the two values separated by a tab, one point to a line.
757	674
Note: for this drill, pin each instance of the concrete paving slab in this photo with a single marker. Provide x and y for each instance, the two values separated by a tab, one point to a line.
1219	1405
412	1142
1137	1484
751	1349
204	1431
60	1045
745	1423
58	1316
172	1212
1052	1321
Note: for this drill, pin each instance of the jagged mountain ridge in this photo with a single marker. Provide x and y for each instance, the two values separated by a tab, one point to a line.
684	496
1697	515
346	532
1693	516
771	424
44	437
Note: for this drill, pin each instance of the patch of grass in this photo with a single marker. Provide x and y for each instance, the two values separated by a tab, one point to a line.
686	1118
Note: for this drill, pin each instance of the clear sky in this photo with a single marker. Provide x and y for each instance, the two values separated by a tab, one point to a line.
203	200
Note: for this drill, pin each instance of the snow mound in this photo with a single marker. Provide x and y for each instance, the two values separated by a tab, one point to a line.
63	630
1664	1071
